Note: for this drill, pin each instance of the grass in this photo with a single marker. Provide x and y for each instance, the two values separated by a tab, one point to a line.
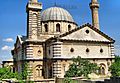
72	81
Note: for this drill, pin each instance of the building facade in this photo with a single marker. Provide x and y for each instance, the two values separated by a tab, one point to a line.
54	38
8	63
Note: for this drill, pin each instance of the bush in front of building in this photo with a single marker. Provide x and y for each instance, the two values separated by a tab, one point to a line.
115	67
81	67
5	73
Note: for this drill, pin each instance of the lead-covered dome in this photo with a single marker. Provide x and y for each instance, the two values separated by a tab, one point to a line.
57	14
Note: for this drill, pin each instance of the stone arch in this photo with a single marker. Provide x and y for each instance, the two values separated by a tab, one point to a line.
57	27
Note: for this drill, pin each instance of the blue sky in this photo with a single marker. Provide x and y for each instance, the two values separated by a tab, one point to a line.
13	19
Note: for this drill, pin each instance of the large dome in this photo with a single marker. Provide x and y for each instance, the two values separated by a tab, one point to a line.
57	14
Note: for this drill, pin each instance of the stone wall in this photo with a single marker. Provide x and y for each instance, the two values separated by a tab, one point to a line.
80	50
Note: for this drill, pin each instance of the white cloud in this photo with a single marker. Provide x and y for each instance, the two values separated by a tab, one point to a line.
6	48
8	40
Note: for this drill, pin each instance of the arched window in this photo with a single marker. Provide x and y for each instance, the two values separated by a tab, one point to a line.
69	27
38	71
57	27
102	69
46	27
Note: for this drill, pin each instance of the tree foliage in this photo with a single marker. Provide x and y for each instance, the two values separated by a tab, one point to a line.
5	73
81	67
115	67
24	73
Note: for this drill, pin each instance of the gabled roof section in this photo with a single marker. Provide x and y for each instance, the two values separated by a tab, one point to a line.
21	38
105	37
19	41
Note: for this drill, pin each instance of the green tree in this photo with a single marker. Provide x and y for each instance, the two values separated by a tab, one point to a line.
24	74
115	67
81	67
5	73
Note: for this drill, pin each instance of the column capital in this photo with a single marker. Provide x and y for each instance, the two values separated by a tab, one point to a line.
94	4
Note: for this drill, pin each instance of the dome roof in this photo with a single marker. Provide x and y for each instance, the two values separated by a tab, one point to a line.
56	13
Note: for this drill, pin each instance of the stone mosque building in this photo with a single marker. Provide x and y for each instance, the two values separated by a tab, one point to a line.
54	38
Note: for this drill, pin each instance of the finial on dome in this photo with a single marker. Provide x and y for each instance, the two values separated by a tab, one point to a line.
55	4
94	1
35	1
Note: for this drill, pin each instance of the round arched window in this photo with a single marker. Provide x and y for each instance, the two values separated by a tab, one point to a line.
38	70
69	27
57	27
46	27
102	69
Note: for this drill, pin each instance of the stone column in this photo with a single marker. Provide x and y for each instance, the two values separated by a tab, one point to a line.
57	69
57	49
94	6
56	56
112	49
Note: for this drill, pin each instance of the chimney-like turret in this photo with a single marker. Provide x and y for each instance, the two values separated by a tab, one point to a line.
94	6
33	10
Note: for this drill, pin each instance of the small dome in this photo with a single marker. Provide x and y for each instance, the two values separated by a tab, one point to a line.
56	13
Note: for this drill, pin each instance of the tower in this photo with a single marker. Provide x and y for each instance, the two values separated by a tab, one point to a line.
94	6
33	9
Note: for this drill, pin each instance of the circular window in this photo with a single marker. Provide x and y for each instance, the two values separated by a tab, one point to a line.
101	50
71	50
87	31
87	50
39	52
